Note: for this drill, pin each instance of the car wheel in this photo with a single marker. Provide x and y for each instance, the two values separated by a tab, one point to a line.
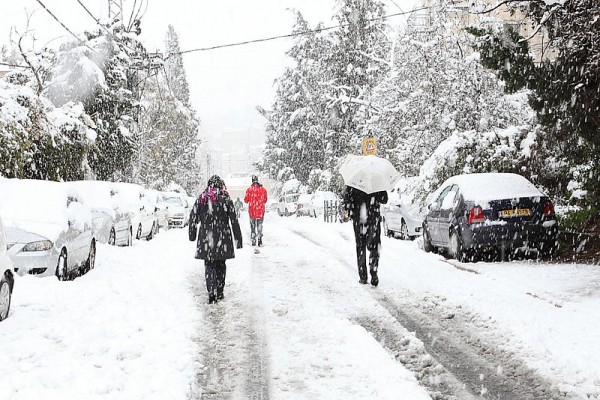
426	241
547	249
456	247
138	234
112	237
151	234
5	294
62	272
404	231
91	261
388	232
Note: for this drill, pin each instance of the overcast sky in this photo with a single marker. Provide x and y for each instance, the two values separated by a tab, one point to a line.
227	84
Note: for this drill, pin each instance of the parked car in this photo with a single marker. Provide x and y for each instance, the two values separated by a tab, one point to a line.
475	213
156	199
402	215
109	223
177	209
288	204
304	206
7	280
131	199
48	230
314	204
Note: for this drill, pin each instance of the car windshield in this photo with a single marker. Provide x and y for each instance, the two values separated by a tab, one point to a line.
174	201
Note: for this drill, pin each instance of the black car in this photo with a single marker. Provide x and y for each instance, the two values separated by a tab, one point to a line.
478	214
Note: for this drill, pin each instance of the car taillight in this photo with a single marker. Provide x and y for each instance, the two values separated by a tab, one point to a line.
476	215
548	209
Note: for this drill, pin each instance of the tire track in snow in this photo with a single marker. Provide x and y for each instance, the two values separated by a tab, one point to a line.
232	342
456	348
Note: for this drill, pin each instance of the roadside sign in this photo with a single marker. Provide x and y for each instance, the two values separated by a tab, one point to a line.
369	146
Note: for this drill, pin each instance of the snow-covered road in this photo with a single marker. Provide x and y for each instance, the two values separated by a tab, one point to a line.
296	324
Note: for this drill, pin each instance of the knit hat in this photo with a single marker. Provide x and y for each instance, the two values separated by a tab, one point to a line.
254	179
216	182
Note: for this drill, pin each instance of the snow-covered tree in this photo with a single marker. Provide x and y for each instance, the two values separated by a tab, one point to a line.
174	68
103	74
39	140
565	90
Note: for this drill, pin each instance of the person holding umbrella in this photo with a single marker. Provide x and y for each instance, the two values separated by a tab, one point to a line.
367	178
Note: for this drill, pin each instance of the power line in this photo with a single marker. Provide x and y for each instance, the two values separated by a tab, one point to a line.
13	65
63	25
93	16
290	35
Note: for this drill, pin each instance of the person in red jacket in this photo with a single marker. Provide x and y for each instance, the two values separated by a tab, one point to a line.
256	197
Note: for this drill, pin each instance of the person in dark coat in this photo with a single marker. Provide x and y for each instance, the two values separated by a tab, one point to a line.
364	211
214	212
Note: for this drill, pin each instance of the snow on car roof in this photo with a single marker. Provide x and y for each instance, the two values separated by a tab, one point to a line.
34	205
493	186
94	194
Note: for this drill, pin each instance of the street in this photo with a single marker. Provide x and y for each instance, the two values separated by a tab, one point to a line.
296	324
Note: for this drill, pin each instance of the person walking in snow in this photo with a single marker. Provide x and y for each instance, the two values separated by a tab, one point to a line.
238	207
214	212
364	211
256	197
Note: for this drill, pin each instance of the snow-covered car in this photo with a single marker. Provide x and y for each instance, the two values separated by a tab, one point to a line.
304	206
177	209
314	204
48	230
109	223
402	215
7	280
475	213
131	199
288	204
155	198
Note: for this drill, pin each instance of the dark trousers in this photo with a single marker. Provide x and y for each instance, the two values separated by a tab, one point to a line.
367	237
214	273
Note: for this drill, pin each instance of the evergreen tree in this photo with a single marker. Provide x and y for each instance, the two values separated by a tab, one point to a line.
566	90
174	67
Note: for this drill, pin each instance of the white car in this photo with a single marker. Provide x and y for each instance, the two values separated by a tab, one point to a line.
402	216
177	209
313	205
155	198
7	280
131	199
48	231
288	204
109	224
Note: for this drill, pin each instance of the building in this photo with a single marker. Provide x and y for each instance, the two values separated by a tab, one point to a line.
470	13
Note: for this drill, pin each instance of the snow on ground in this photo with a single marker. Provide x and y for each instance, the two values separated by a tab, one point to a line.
122	331
295	322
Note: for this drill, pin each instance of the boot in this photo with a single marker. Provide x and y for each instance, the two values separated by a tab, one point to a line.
212	299
220	295
362	281
260	242
374	280
253	242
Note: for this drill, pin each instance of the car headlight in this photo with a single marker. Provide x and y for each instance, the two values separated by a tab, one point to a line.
42	245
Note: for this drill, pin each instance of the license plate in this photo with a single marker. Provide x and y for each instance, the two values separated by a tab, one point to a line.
515	212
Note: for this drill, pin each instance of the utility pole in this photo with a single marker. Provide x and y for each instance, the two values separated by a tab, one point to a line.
115	7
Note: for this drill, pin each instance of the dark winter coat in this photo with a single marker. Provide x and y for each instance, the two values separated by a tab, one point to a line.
212	214
364	210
